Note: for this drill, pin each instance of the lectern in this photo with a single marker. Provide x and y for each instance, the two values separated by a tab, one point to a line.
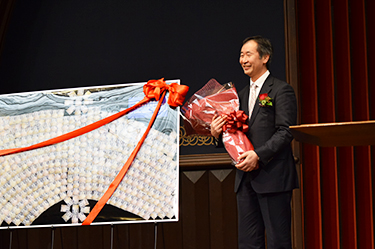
336	134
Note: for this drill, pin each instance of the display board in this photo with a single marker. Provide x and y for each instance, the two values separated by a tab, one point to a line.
58	185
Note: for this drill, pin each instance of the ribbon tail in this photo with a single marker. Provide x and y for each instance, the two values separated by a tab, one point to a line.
113	186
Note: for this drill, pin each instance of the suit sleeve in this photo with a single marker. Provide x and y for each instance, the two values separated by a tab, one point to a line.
219	141
285	115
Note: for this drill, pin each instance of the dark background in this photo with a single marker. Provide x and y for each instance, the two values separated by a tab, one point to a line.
62	44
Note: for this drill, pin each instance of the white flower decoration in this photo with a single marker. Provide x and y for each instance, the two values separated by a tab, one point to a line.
78	102
75	209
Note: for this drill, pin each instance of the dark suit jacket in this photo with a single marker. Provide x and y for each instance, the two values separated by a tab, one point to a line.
270	135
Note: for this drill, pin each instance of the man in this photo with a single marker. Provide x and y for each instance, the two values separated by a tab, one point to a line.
265	176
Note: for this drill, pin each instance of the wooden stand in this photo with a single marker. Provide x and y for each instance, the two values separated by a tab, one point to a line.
336	134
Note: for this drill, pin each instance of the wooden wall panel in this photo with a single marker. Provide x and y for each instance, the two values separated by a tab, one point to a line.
169	235
68	237
195	200
223	209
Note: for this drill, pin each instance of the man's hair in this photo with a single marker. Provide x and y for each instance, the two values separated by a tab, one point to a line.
264	47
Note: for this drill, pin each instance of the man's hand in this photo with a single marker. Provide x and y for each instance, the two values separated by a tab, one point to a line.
217	125
248	161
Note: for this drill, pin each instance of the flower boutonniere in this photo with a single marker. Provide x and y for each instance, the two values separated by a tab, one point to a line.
265	100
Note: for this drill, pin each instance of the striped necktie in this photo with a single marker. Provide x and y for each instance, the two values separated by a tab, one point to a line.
252	98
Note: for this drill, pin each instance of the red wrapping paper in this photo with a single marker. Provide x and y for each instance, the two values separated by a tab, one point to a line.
216	99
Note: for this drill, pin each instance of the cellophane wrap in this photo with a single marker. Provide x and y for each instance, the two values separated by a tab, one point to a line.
215	99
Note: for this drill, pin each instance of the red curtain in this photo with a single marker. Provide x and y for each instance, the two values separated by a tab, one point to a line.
336	74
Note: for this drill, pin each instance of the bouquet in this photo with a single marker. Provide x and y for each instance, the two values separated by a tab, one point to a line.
216	99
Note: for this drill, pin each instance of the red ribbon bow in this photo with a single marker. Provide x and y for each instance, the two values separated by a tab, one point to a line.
236	120
177	93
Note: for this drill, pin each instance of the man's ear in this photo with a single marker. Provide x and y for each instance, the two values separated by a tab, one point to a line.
265	58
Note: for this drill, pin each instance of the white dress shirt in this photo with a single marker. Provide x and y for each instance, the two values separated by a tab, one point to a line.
259	82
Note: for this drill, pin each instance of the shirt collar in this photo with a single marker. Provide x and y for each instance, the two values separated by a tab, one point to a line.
259	82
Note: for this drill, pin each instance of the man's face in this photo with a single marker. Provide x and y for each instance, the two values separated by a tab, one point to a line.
251	63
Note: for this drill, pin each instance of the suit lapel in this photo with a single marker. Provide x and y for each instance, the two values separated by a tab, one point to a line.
244	100
266	88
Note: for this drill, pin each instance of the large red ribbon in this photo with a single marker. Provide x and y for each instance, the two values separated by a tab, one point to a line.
113	186
236	120
153	89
